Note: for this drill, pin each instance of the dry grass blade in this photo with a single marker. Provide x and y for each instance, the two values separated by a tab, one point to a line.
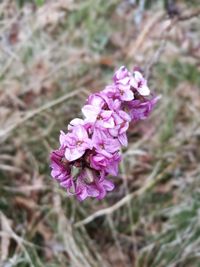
11	234
4	133
134	46
78	257
9	168
5	240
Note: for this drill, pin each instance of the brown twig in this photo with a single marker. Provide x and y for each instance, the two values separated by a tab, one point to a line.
154	59
190	15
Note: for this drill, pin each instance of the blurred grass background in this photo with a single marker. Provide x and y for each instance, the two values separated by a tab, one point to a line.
53	55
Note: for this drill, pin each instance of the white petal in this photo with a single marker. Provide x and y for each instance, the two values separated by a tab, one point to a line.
109	123
138	76
144	90
127	96
91	112
73	154
96	100
125	81
133	82
75	122
80	132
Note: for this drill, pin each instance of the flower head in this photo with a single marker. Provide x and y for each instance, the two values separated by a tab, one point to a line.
91	150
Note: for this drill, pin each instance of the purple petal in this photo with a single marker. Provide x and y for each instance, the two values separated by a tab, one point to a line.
123	139
80	132
82	195
92	191
96	100
108	185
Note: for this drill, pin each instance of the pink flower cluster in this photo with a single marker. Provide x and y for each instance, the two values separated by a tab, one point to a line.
90	151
